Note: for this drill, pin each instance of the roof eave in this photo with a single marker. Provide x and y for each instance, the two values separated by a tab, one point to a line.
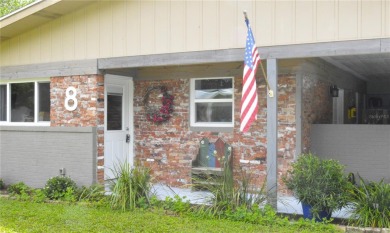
36	14
25	12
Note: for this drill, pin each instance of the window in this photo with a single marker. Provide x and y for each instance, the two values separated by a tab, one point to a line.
114	111
212	102
44	101
25	102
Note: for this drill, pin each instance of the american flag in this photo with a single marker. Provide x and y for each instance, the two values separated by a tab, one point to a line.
249	103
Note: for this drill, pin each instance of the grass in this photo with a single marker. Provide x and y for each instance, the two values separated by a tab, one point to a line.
18	216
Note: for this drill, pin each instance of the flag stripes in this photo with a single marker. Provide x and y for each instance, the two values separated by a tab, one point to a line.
249	99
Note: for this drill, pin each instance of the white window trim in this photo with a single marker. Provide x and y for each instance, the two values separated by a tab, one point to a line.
36	104
193	102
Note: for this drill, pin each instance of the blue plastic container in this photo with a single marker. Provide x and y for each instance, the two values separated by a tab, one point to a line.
307	213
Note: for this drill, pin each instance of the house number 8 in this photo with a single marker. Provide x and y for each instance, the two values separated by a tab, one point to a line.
70	97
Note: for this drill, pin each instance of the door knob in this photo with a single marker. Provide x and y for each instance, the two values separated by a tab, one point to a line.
127	138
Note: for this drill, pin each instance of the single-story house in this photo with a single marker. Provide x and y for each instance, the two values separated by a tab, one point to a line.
75	76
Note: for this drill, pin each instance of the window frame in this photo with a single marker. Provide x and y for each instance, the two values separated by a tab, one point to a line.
36	122
193	101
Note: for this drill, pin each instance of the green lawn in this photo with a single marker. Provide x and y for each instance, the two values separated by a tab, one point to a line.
17	216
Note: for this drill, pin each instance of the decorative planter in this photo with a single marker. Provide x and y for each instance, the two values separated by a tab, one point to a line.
308	214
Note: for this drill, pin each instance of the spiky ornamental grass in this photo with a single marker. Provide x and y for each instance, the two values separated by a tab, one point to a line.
228	195
130	187
370	204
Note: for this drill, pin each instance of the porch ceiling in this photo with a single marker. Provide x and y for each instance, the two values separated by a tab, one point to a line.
369	67
368	60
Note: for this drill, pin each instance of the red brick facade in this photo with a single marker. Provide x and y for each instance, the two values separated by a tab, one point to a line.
89	111
169	148
316	105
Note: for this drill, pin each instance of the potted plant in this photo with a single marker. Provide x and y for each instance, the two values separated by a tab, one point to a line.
320	185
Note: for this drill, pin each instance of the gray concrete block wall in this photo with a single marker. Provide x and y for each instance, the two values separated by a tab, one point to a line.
35	154
364	149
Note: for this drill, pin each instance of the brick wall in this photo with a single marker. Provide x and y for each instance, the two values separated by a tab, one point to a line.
90	109
316	105
169	148
287	126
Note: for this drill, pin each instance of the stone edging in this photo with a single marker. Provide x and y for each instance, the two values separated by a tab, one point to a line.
350	229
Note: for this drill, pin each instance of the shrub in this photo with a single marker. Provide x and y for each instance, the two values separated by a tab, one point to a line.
177	204
130	187
93	194
319	183
24	193
1	184
60	188
38	196
370	204
18	189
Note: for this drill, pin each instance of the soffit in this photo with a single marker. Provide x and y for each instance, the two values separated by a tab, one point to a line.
369	67
36	14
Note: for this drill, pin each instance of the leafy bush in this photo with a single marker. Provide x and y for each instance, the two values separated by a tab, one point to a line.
177	204
370	204
318	182
24	193
60	188
18	188
130	187
1	184
93	193
38	196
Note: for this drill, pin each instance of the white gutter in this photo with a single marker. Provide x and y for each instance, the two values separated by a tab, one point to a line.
20	9
25	11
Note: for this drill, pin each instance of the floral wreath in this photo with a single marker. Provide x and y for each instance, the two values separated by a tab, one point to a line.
164	112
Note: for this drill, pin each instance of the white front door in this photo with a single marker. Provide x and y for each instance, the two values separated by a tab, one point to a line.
118	122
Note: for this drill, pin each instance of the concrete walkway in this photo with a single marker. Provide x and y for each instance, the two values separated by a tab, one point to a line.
288	205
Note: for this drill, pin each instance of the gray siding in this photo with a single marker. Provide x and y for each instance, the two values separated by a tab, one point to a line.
34	154
364	149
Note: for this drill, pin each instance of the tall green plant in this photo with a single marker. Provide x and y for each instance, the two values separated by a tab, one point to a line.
228	195
370	204
318	182
130	187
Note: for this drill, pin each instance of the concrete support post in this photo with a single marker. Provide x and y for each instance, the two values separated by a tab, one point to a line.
272	132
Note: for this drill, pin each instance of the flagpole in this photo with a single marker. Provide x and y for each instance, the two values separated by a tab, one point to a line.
270	92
